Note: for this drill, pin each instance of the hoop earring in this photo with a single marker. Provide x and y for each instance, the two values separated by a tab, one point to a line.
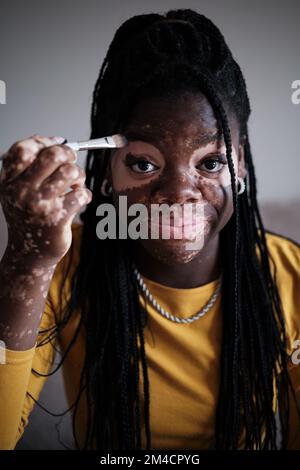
242	185
103	190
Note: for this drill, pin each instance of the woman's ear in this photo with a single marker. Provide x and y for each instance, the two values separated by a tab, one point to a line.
106	186
242	172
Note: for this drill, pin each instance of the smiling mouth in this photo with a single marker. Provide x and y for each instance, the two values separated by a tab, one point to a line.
182	226
180	223
188	231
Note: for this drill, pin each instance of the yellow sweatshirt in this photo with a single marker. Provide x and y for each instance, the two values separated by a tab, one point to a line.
183	359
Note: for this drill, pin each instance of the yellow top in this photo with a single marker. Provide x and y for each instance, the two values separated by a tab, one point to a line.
183	359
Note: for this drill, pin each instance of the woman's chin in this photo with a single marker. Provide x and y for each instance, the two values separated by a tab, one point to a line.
173	252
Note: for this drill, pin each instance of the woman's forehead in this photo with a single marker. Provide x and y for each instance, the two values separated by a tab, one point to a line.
189	119
168	113
189	139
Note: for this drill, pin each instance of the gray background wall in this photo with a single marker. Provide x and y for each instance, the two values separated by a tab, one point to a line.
50	55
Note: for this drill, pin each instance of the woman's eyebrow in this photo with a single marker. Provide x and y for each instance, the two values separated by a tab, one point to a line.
205	139
134	135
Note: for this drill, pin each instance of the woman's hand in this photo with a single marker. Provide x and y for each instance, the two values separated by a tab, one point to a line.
34	178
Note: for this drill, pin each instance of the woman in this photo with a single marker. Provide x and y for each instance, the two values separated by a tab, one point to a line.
208	363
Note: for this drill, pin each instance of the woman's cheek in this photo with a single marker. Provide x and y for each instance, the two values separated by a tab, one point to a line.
225	180
139	194
224	205
120	179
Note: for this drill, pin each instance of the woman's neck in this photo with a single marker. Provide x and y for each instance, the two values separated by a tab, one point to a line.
204	268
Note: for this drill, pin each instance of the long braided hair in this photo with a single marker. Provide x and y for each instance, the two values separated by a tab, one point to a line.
156	54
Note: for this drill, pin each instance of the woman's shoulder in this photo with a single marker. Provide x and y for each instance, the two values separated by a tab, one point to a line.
285	252
285	262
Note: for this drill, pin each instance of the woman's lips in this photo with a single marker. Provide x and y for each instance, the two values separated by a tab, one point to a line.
181	230
180	221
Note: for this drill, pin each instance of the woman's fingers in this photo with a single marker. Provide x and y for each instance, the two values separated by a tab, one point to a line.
76	199
54	211
57	183
37	174
47	161
21	155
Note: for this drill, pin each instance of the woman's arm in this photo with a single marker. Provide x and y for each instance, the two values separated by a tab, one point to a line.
34	182
20	386
35	176
24	286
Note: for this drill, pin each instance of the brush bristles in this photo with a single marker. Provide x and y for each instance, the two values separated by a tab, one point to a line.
119	140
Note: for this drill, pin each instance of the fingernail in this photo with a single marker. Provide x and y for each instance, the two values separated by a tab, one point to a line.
59	140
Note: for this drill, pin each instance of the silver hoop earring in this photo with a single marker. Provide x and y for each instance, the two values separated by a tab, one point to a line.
242	185
103	190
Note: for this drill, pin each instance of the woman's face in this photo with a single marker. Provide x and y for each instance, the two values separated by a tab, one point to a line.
175	156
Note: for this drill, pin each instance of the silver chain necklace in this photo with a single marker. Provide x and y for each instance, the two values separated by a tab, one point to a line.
168	315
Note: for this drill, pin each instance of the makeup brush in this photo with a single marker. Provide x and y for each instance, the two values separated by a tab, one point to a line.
112	141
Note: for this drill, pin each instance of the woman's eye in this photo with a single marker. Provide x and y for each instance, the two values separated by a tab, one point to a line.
213	165
142	166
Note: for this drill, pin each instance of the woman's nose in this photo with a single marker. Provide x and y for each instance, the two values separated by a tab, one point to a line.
177	188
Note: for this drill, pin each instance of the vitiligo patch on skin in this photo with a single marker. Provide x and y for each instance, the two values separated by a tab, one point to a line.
29	245
81	197
20	166
38	272
20	290
52	210
60	158
26	157
69	172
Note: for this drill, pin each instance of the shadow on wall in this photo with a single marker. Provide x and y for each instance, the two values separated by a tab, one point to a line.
48	432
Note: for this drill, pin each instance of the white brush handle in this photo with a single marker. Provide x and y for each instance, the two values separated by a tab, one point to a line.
102	143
